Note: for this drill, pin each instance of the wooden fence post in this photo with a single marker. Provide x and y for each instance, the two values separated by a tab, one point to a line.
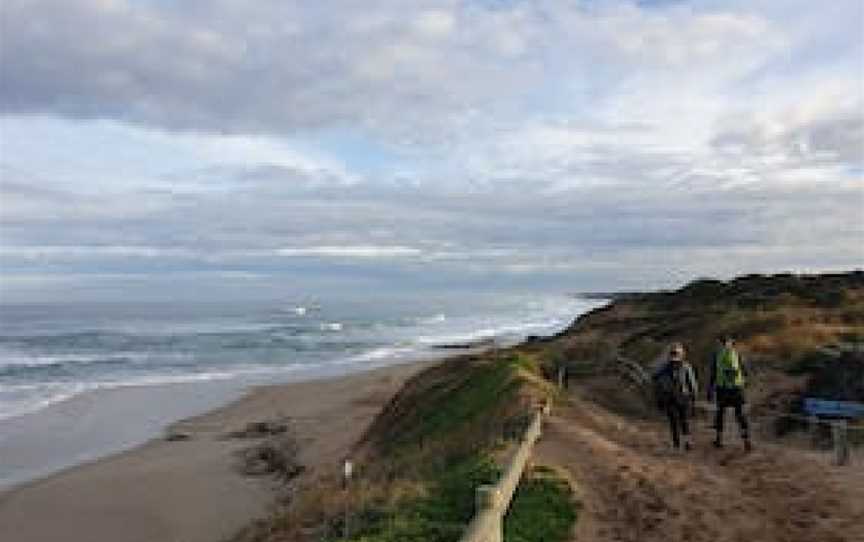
488	497
841	442
813	429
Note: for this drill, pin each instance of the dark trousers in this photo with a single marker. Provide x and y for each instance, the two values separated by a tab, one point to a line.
733	398
678	422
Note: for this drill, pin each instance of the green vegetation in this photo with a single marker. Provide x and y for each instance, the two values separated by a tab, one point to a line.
448	405
775	319
441	515
440	433
829	291
543	509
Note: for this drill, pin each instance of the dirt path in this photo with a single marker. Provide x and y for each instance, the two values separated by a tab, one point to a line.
636	489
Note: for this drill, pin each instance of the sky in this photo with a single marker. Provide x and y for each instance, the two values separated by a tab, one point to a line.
219	148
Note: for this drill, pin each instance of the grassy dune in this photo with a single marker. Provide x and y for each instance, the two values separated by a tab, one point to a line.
775	319
445	433
797	333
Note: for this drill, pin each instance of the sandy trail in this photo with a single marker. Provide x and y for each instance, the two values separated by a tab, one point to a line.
635	489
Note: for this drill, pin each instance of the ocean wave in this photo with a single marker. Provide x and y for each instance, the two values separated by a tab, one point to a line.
19	399
382	353
299	309
429	320
144	333
21	360
39	374
500	330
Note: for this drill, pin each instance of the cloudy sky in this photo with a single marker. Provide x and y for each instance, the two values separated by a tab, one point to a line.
150	147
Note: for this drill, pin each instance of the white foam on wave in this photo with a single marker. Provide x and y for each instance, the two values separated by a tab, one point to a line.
13	360
436	319
24	360
174	328
302	310
19	399
542	317
491	332
331	326
382	353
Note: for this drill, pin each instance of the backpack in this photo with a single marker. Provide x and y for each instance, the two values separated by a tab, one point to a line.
670	387
729	373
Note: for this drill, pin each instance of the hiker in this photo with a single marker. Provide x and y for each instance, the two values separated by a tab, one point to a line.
726	384
675	388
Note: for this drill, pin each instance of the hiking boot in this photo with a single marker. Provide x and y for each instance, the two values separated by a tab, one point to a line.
748	447
718	443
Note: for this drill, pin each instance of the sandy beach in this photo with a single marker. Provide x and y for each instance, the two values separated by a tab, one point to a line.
190	490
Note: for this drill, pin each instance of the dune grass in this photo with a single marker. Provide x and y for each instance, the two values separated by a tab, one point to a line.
543	509
468	402
439	516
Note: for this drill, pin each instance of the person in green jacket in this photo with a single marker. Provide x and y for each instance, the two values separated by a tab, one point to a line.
726	383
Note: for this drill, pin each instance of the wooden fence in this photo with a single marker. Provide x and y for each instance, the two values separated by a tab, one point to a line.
493	501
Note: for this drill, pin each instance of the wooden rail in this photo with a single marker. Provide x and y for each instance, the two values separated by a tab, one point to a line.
493	501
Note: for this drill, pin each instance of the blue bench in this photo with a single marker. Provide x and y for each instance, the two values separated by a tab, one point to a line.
824	408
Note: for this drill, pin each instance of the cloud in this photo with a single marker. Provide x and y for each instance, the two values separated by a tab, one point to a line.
351	251
797	136
278	67
275	67
603	140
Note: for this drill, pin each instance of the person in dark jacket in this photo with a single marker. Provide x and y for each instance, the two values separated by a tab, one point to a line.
676	388
727	378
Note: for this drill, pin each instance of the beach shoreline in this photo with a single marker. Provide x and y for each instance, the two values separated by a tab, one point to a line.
190	489
102	422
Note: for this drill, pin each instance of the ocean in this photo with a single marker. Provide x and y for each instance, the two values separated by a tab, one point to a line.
51	355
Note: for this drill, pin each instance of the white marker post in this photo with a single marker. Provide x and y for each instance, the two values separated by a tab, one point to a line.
347	472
